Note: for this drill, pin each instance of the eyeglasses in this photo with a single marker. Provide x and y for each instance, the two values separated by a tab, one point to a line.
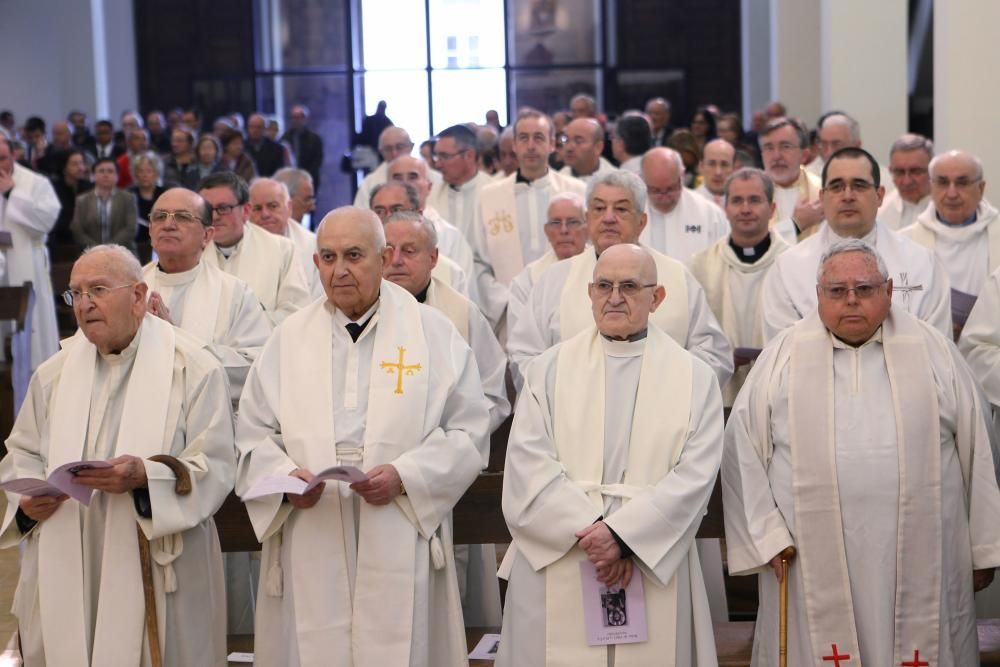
160	216
912	172
783	147
384	212
861	290
448	156
224	209
95	293
960	183
572	223
627	288
858	186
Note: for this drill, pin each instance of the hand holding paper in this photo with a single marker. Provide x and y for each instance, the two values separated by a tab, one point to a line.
382	485
60	482
40	508
301	482
123	473
309	496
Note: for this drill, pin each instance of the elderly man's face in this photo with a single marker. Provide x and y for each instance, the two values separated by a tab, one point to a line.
255	127
394	142
110	320
849	316
390	200
663	182
455	163
580	108
955	188
412	170
612	217
581	150
304	200
659	115
624	292
565	229
910	175
782	155
269	207
412	258
850	198
833	137
350	265
228	215
716	165
179	243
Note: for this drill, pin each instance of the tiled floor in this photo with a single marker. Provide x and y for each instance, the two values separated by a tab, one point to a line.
9	564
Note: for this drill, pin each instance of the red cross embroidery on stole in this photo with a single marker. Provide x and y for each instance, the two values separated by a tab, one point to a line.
837	656
916	662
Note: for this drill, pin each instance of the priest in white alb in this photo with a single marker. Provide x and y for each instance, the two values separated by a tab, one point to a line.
558	309
509	229
601	468
456	195
266	262
133	391
680	222
851	196
960	227
798	211
980	341
859	439
732	270
214	307
271	209
364	574
909	161
717	163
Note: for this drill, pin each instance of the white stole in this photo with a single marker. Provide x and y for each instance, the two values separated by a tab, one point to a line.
453	305
537	268
388	539
202	300
659	431
501	229
818	521
927	228
119	628
250	253
575	313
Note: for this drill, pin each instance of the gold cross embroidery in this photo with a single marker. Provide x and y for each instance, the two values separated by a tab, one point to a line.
502	221
399	368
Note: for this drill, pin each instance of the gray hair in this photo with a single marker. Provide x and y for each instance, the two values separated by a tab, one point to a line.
622	179
264	180
411	192
364	216
293	178
852	245
412	216
977	163
853	128
571	197
912	142
748	174
670	153
121	257
148	158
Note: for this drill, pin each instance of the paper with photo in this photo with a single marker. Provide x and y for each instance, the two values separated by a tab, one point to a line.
486	649
613	615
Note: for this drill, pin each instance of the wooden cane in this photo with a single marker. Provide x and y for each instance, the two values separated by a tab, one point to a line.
182	487
786	556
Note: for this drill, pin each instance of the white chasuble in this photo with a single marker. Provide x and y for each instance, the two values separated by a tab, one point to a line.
969	253
592	437
80	599
875	463
347	583
693	225
980	341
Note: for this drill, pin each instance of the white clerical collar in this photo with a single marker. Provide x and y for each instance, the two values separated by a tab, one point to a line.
633	347
179	278
841	345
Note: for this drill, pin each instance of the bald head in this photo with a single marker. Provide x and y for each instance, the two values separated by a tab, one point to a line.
394	142
412	170
957	185
662	170
624	292
717	163
351	254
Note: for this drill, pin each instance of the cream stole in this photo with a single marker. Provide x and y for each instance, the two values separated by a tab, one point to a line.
537	268
376	626
119	628
446	271
454	306
659	431
807	192
928	227
202	300
251	254
503	241
575	313
818	522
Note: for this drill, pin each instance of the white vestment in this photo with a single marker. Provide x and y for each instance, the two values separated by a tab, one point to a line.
919	281
633	165
561	291
509	233
376	177
805	189
980	341
28	213
969	253
269	265
832	448
346	583
693	225
716	199
520	293
219	311
603	167
305	248
452	275
80	596
592	437
732	288
897	213
451	241
458	204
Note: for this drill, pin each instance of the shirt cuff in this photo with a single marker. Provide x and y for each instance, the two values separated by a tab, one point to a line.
143	507
24	522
